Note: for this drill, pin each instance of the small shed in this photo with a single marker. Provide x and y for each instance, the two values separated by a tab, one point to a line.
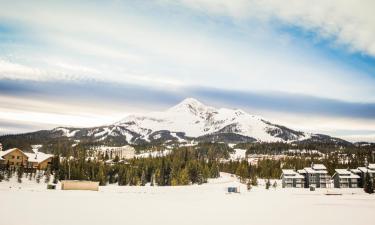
233	190
79	185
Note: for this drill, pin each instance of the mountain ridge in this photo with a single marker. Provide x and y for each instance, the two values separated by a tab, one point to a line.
188	121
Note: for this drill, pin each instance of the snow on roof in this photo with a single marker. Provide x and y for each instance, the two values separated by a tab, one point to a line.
38	157
309	170
365	170
3	153
371	166
355	171
302	171
288	172
319	167
291	174
343	171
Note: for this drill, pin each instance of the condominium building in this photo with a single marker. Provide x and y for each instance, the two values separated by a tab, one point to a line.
344	178
290	178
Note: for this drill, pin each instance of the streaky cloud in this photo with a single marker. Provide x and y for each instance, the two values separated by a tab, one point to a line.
105	93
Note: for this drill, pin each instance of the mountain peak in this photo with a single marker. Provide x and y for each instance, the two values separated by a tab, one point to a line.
190	101
192	106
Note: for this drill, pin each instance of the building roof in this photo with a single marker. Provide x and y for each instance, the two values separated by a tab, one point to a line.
355	171
288	172
371	166
365	170
344	173
292	174
6	152
319	167
311	170
38	157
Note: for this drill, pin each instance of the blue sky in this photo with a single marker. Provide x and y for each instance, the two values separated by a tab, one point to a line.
85	63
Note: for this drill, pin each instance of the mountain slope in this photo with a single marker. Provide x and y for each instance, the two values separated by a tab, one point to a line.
189	120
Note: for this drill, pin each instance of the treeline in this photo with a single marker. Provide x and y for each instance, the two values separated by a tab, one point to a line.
280	147
342	159
182	167
265	168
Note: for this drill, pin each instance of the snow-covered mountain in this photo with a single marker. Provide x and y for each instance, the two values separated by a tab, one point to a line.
191	120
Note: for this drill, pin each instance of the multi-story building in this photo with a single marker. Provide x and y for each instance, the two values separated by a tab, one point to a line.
290	178
344	178
15	158
362	173
316	176
123	152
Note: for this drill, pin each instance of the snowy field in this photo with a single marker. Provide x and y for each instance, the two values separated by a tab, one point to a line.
31	204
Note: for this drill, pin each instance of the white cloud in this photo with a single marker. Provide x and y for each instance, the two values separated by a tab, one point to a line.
124	47
120	44
350	22
18	71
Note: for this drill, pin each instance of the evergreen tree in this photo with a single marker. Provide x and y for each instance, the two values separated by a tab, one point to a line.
101	177
184	177
38	177
248	185
152	179
369	186
143	178
268	184
254	181
9	175
242	171
19	174
274	185
47	176
55	178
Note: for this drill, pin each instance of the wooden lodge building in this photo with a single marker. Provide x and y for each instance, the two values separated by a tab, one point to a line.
15	158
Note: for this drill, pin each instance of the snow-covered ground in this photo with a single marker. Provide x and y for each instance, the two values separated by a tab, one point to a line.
31	204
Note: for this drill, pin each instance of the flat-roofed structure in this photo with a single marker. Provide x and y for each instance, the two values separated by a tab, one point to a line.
79	185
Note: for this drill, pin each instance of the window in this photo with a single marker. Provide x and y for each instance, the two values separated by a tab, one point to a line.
12	157
18	157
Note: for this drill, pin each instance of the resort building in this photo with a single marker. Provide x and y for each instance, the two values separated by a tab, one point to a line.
290	179
123	152
15	157
362	173
344	178
316	176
